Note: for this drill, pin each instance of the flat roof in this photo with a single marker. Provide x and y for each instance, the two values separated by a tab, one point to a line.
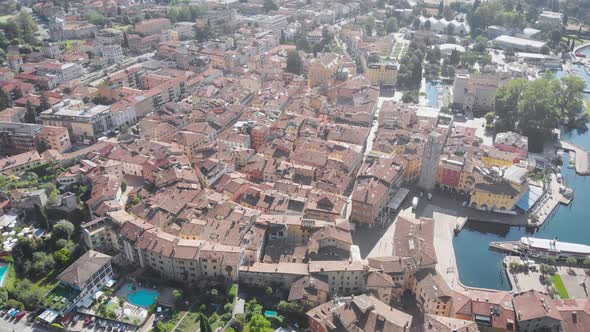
522	41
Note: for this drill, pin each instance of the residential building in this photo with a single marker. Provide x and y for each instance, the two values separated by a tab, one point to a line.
358	313
87	275
152	26
112	53
84	123
536	311
20	162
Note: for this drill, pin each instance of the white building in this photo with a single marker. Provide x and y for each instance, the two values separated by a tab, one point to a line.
519	44
443	26
549	19
112	53
61	72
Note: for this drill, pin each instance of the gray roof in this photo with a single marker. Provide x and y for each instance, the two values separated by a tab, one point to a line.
84	268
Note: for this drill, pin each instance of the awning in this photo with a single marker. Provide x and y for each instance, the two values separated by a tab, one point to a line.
529	198
98	294
49	316
110	283
398	198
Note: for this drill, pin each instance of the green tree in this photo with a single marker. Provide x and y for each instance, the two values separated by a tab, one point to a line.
570	99
96	18
269	5
178	296
62	256
391	25
123	185
410	97
44	102
42	146
506	104
5	100
43	263
258	323
25	22
294	63
369	25
538	109
268	291
30	113
204	323
63	229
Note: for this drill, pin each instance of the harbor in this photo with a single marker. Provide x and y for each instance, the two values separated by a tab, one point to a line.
568	220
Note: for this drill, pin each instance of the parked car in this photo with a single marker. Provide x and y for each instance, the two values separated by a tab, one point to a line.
86	321
20	315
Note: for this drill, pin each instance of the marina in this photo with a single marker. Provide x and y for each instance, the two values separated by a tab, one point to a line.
481	267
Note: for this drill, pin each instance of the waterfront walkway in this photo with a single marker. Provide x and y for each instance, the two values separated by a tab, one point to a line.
582	157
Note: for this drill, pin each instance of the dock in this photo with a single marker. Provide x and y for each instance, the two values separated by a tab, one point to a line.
508	247
582	157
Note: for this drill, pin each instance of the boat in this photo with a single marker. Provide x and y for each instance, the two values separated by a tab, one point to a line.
536	247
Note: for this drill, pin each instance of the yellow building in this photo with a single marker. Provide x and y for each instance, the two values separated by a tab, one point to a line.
494	196
382	73
495	157
412	171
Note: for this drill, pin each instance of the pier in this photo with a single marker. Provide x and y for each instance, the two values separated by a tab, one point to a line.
508	247
582	157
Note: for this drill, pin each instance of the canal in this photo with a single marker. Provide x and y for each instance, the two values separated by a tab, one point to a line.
480	267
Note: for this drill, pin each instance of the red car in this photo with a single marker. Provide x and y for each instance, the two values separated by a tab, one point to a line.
20	315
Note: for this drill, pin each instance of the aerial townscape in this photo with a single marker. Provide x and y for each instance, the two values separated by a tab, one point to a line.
294	165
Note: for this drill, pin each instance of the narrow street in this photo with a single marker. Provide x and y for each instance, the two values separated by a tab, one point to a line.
371	137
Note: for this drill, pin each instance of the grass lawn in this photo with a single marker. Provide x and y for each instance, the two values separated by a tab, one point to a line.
560	287
5	18
123	28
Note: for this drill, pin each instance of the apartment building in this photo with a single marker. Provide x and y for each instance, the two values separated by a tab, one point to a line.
86	276
152	26
20	162
85	124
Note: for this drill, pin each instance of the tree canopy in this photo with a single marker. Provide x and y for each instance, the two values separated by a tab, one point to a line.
535	108
294	63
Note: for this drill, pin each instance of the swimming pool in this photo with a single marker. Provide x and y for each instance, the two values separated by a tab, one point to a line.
3	272
139	296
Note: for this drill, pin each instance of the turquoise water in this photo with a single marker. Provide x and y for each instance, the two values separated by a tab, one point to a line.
3	271
480	267
142	297
269	313
432	93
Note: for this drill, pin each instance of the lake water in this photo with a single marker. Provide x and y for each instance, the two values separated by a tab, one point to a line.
480	267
